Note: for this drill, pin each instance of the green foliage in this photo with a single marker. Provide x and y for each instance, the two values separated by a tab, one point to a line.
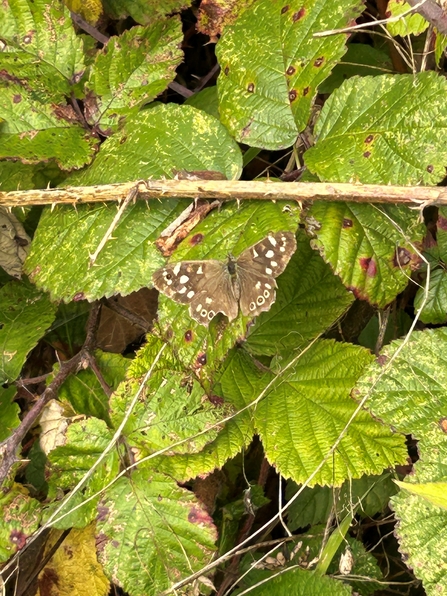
20	518
9	412
25	315
134	516
372	257
271	66
123	78
165	451
399	121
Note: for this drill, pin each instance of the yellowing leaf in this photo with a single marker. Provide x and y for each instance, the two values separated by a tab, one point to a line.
435	492
73	570
90	10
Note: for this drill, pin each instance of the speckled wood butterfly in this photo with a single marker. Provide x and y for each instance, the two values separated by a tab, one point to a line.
246	282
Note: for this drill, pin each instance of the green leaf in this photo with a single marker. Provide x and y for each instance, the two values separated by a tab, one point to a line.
372	257
433	492
9	412
68	329
147	147
441	233
422	534
143	11
149	520
360	59
410	24
84	391
440	46
314	505
271	67
25	315
435	308
35	470
411	394
19	520
237	385
36	130
42	60
309	405
399	323
206	100
42	51
173	406
85	441
18	176
65	239
308	302
298	582
133	69
383	130
229	230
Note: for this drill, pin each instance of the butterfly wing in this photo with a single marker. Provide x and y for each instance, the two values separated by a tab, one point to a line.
257	268
205	285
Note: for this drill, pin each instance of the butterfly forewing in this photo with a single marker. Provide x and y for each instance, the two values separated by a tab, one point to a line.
212	286
258	266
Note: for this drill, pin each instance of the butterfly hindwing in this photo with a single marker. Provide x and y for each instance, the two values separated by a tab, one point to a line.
217	296
257	268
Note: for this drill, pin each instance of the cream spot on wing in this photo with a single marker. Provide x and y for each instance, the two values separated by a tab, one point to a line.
184	279
198	308
208	300
282	248
190	294
268	286
269	254
182	290
268	271
200	270
176	269
258	285
254	253
273	263
272	240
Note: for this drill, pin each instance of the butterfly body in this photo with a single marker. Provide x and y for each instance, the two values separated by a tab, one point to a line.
246	282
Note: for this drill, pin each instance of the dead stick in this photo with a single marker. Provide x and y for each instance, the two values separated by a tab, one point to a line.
225	190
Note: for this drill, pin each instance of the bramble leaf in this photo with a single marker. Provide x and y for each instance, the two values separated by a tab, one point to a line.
150	518
25	315
271	66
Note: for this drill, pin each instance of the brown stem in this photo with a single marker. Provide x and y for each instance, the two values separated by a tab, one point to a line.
227	190
32	380
95	368
10	446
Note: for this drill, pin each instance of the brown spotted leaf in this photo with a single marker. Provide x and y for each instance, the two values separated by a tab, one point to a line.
214	15
271	66
387	129
151	533
360	242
